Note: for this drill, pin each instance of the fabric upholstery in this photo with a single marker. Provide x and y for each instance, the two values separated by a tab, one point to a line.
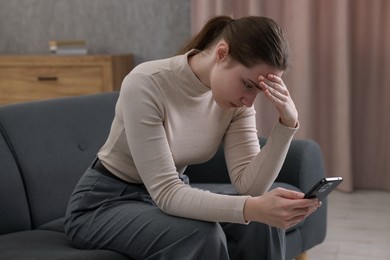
54	139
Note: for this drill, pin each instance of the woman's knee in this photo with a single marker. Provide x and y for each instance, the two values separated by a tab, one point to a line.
211	238
211	232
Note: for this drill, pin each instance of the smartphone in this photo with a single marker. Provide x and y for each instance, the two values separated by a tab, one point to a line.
322	188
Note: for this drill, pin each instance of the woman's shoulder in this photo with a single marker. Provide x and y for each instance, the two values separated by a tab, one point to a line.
153	67
146	79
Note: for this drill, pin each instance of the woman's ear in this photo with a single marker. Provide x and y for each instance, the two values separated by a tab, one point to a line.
222	51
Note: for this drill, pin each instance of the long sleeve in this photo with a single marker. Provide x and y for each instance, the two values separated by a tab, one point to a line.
252	170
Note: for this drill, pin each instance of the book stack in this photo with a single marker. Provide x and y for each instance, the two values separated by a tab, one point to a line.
72	47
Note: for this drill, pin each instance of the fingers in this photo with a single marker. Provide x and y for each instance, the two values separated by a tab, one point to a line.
288	194
305	207
273	82
293	207
274	88
297	215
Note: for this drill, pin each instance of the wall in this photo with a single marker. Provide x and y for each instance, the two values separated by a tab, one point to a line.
149	29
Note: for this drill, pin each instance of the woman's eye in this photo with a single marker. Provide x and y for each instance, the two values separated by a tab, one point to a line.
248	85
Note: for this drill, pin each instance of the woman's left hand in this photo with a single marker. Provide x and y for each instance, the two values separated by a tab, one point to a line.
277	93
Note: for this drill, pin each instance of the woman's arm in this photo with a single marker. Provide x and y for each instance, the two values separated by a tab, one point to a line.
252	172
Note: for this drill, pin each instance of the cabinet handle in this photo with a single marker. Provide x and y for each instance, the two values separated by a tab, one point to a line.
47	78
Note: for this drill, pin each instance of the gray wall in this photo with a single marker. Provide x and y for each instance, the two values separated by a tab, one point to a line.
150	29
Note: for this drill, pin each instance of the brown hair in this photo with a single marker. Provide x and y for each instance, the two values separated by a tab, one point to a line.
251	40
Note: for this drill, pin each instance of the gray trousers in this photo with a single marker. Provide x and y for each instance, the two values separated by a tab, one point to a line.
107	213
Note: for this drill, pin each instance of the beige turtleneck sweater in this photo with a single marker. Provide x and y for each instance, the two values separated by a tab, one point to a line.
166	119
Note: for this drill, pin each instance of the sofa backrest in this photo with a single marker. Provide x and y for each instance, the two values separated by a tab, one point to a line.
53	142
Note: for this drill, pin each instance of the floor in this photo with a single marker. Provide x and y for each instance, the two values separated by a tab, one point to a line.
358	227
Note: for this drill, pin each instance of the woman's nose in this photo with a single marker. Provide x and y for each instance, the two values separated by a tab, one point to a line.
248	100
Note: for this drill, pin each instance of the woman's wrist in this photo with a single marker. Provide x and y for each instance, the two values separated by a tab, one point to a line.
291	123
251	212
247	206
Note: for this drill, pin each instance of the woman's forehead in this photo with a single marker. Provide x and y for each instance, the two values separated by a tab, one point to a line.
261	69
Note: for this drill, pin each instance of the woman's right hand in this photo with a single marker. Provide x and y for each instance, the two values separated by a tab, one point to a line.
280	208
277	93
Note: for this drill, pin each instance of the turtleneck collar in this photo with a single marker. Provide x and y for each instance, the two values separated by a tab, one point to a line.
185	77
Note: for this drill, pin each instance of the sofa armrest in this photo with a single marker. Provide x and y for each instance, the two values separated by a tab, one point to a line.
303	166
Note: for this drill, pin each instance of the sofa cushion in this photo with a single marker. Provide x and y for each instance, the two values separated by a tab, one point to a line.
54	225
14	213
47	245
54	142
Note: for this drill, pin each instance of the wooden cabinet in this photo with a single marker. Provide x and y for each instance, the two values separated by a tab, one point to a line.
36	77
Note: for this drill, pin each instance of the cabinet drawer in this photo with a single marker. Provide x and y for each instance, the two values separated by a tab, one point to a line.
32	83
36	77
59	76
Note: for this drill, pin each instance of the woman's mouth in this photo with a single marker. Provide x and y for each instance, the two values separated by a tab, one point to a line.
233	105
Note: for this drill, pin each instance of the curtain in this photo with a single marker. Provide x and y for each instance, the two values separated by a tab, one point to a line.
339	79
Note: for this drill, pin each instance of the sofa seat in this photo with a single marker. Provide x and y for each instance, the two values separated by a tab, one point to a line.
47	245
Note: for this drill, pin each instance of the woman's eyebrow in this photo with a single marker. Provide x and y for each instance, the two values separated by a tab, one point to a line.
254	83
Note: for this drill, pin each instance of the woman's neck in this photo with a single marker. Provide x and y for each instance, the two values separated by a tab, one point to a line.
201	64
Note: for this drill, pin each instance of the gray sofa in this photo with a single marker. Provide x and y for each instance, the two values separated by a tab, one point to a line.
45	147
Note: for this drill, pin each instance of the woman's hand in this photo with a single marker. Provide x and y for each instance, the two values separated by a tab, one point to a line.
277	93
279	208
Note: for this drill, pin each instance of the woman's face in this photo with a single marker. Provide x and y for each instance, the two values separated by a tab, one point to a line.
234	85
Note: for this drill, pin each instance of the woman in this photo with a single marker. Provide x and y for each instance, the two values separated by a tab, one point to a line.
174	112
